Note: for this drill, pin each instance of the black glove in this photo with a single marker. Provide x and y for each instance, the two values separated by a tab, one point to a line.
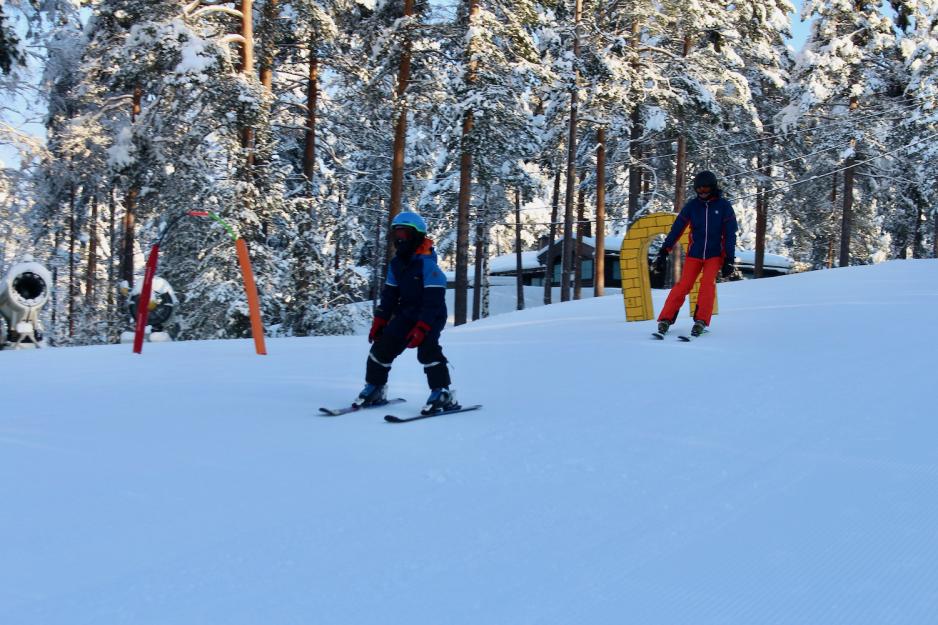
661	260
728	267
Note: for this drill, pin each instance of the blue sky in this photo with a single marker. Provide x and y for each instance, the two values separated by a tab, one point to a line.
799	29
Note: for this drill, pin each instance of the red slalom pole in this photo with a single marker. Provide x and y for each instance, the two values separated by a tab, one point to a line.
143	302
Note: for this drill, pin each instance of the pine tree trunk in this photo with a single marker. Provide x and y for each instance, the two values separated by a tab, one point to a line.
761	219
337	262
552	234
113	316
680	182
72	277
519	265
247	67
934	234
477	281
485	274
92	253
312	101
846	229
56	242
830	228
635	135
465	187
127	259
635	169
762	201
680	191
400	127
599	257
846	225
578	253
568	251
376	263
126	272
269	51
918	231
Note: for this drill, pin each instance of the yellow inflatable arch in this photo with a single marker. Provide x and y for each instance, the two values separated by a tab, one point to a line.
633	263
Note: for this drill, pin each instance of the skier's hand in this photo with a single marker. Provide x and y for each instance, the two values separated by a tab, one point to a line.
728	267
417	334
377	327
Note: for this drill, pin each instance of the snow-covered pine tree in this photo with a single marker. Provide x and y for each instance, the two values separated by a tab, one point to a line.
839	74
485	125
307	44
761	30
160	85
912	181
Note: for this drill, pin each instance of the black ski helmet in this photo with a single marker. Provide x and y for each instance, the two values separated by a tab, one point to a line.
706	179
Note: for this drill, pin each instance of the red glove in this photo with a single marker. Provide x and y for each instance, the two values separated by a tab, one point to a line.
417	334
377	327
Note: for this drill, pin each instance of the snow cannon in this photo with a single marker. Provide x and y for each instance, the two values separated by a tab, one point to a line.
24	290
162	307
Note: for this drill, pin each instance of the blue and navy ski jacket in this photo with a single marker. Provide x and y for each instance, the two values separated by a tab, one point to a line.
712	225
415	289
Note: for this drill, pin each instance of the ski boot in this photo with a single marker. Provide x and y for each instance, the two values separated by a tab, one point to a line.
440	399
663	327
699	328
371	395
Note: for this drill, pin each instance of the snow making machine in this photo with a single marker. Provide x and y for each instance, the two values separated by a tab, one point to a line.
24	290
162	308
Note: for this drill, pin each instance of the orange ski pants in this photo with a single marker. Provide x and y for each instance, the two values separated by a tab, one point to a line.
708	287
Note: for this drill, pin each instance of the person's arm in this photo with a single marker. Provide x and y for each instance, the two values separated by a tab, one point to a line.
729	234
677	229
434	292
729	241
433	302
390	296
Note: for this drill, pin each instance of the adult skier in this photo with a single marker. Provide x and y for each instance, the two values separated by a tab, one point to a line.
712	248
411	314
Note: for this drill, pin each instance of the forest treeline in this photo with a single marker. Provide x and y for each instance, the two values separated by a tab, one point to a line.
307	125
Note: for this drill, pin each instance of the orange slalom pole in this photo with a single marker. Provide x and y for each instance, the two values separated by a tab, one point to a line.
257	326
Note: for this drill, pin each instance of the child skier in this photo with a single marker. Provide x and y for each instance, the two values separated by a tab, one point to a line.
712	246
412	313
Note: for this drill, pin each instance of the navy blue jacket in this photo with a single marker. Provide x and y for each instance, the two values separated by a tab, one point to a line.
712	228
415	290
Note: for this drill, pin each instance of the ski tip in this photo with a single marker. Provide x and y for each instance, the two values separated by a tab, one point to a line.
392	419
685	339
657	336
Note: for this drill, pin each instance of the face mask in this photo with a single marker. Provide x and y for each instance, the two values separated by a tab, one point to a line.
404	241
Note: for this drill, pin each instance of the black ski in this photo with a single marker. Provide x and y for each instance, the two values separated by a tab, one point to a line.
657	335
392	419
335	412
688	339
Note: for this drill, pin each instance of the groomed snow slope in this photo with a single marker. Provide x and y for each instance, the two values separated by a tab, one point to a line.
781	470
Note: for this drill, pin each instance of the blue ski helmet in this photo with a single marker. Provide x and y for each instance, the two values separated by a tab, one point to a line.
411	220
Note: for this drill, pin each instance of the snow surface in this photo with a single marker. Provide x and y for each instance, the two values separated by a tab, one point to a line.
781	470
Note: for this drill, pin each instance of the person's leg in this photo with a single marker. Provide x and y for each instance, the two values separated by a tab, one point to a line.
672	306
708	289
389	346
430	355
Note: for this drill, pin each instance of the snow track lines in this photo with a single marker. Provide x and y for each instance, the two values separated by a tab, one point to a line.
633	260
